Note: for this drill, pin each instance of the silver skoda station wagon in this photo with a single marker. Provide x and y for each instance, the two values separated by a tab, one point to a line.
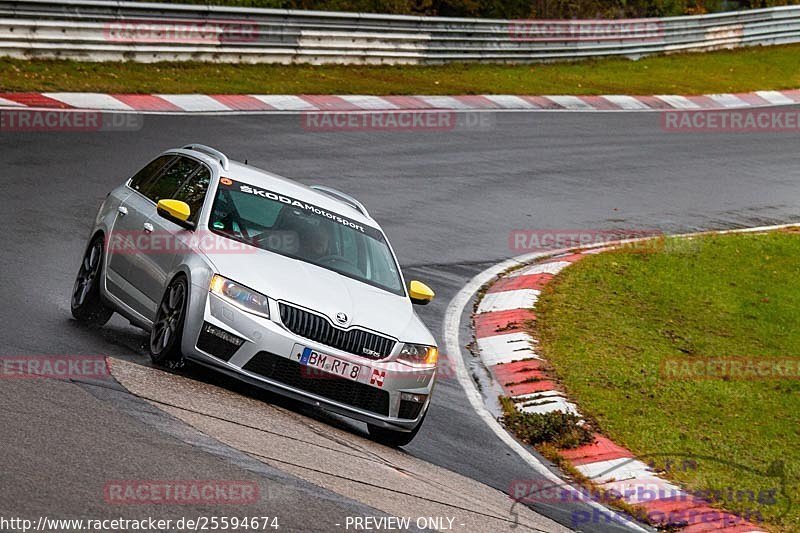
291	288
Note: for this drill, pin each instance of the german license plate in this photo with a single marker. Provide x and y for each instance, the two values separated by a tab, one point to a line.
328	364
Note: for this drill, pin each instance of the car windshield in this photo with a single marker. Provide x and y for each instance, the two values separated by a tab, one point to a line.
300	230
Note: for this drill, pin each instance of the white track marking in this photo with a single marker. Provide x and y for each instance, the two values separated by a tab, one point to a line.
626	102
615	470
508	101
506	348
90	101
571	102
285	102
728	100
534	396
194	102
446	102
506	300
678	102
548	405
775	97
542	268
368	102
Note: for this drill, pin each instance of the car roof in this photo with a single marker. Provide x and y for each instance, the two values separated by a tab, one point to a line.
261	178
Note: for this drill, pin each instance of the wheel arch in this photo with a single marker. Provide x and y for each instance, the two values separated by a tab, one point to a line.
197	274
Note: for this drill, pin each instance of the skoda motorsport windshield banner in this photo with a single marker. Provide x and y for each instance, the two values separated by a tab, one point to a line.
300	204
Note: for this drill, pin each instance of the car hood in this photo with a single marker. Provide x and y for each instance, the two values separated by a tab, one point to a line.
324	291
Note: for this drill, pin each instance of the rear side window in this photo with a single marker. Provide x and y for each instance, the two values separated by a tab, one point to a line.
167	183
193	192
146	175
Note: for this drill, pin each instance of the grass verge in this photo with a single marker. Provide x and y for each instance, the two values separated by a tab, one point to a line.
555	428
749	69
610	324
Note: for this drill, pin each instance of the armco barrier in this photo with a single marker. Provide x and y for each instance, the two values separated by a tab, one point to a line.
98	30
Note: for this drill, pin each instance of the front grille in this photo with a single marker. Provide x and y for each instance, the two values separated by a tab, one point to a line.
218	342
409	410
318	328
334	388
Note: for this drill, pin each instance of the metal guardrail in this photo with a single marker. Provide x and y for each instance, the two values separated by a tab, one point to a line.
99	30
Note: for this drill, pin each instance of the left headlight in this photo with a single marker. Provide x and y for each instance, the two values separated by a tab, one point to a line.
419	355
240	296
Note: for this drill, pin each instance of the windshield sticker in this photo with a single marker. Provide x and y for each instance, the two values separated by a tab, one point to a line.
304	206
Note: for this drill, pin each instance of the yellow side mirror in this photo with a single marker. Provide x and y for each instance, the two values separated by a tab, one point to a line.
174	210
420	293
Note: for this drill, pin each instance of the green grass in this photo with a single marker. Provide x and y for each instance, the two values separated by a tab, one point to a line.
725	71
607	324
556	428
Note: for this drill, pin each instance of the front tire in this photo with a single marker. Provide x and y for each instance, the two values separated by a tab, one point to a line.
393	438
86	303
167	330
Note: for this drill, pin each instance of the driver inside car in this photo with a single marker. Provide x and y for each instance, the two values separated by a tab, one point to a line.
316	244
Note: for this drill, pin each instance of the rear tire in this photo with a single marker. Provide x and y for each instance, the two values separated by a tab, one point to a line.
167	330
86	303
394	438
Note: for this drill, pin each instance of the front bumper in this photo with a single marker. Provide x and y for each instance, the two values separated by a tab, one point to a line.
268	357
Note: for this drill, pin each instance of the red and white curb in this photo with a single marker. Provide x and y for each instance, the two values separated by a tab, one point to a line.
248	103
510	354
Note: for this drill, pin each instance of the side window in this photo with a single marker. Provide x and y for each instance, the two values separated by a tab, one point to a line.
144	176
193	192
165	185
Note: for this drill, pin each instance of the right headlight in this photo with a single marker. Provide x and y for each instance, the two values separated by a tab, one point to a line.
240	296
419	355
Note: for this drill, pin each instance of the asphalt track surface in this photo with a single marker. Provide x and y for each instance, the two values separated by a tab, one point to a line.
447	201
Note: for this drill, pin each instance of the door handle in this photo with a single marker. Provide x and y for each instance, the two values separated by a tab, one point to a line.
122	210
148	227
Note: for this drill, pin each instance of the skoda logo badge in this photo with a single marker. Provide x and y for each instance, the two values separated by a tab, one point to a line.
341	318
